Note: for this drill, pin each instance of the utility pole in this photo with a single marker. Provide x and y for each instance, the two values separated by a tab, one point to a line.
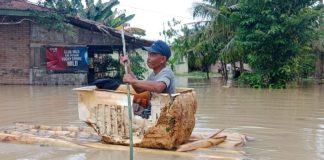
320	54
164	33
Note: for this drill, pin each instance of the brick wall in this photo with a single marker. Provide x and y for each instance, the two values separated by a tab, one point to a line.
23	62
41	77
14	53
41	37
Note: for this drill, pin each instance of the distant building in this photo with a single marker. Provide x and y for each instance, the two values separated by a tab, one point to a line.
31	54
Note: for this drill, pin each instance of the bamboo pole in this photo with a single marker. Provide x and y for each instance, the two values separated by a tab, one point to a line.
57	136
55	128
130	111
66	135
28	139
205	143
156	151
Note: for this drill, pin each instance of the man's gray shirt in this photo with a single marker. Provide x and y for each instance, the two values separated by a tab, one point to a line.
167	77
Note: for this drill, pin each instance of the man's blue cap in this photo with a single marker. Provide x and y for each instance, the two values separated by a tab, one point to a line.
159	47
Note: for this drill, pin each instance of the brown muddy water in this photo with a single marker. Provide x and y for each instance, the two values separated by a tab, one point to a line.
285	124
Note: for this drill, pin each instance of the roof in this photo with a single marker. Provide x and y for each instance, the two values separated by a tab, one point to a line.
20	5
96	26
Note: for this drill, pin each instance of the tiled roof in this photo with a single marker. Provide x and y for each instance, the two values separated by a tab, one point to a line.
20	5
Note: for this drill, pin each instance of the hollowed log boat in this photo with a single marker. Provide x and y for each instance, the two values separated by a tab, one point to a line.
169	125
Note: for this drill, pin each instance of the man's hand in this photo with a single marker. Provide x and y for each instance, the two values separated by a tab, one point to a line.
128	78
123	60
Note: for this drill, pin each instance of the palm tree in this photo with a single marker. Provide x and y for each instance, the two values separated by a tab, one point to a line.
319	50
216	36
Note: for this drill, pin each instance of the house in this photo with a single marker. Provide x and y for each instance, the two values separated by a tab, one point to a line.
32	54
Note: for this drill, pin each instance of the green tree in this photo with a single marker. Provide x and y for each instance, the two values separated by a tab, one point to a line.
318	47
274	35
137	66
64	7
102	12
169	34
54	19
207	39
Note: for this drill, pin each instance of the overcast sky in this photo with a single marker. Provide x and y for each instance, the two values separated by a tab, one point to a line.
151	14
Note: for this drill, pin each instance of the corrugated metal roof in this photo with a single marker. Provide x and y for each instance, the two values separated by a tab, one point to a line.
98	27
20	5
24	5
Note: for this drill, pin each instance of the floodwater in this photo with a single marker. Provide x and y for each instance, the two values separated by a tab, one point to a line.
284	124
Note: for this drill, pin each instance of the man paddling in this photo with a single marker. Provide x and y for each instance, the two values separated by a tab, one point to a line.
162	79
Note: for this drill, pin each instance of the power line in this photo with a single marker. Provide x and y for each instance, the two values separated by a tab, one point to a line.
152	11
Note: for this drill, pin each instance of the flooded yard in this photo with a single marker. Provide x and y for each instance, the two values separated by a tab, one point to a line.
285	124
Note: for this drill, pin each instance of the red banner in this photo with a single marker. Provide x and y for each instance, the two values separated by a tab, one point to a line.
67	59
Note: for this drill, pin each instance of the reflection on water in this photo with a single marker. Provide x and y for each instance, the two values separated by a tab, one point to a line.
286	124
